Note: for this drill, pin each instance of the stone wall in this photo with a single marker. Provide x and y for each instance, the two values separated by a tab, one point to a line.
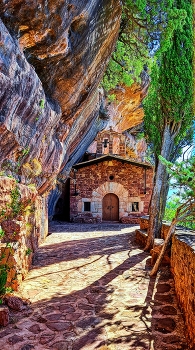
23	221
144	226
93	183
183	268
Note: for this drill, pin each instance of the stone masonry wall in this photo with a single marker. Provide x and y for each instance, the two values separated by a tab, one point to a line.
23	223
164	229
93	183
183	268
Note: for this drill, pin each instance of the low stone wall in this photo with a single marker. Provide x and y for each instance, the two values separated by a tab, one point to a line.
183	269
130	219
144	226
23	223
86	218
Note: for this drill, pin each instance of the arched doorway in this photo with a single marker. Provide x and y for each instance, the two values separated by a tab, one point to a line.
110	207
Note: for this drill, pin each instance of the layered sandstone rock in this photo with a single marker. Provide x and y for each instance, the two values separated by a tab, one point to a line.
126	115
53	56
126	111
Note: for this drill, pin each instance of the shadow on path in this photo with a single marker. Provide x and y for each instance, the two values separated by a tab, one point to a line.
97	295
81	249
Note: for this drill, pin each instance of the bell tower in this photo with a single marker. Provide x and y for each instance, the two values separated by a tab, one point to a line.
111	142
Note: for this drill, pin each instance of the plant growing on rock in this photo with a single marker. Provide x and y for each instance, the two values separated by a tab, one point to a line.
15	201
4	266
28	251
42	103
32	169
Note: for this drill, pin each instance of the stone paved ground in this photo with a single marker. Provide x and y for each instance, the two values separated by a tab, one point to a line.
90	289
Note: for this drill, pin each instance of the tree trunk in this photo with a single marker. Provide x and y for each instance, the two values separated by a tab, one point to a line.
164	193
160	257
183	211
160	187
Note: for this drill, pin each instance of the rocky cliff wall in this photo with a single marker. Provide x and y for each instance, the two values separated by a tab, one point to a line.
126	110
52	56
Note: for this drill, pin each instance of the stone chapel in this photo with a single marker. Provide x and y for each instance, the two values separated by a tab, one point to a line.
108	185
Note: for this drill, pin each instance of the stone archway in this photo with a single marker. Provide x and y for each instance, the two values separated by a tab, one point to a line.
110	187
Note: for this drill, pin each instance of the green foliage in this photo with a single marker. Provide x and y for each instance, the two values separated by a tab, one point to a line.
170	211
171	207
111	97
183	174
28	251
2	233
3	278
32	186
42	104
140	136
15	203
4	268
2	212
144	24
25	151
170	95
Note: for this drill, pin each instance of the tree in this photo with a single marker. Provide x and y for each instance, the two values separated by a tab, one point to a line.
143	24
158	34
184	174
168	108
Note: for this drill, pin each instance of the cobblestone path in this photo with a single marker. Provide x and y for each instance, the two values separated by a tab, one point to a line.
90	289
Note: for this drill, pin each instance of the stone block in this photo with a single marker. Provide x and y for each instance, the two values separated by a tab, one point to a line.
141	237
4	316
164	230
144	223
13	302
183	269
130	220
158	244
12	230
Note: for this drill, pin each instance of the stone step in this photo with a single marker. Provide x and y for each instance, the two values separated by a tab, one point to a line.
130	219
141	236
141	239
144	222
158	244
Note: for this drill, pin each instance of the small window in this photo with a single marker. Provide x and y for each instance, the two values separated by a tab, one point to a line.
87	206
135	206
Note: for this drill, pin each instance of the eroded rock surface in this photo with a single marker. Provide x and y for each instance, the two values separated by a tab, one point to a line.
52	55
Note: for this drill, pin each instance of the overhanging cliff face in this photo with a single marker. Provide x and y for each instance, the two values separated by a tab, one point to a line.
53	55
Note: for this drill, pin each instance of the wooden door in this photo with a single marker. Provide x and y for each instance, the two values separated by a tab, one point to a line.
110	207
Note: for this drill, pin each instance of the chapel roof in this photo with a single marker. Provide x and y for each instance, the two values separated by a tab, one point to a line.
111	157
